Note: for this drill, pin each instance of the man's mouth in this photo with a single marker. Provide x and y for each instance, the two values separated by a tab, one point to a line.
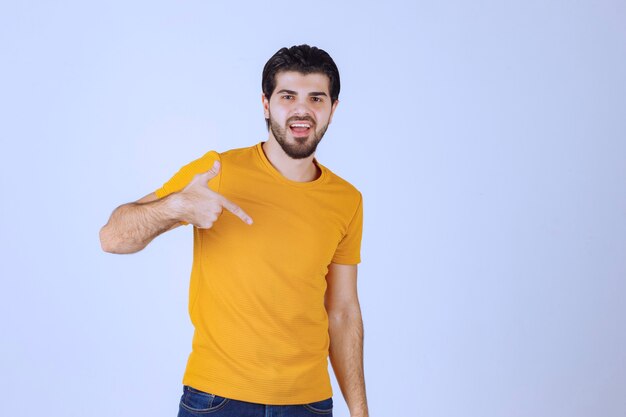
300	128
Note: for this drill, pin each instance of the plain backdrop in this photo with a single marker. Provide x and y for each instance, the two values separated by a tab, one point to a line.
487	137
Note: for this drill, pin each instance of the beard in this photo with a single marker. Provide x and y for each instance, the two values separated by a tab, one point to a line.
301	147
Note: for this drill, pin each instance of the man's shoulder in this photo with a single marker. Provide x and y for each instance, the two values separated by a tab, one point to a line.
238	152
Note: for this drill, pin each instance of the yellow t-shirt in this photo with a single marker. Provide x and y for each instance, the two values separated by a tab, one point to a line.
256	296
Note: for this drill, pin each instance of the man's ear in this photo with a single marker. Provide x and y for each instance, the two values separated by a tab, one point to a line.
266	106
332	110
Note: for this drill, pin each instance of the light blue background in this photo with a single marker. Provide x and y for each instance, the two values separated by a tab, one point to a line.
488	139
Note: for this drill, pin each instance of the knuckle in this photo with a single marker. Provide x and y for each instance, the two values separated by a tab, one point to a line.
215	208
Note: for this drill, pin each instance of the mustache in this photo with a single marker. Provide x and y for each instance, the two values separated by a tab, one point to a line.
301	119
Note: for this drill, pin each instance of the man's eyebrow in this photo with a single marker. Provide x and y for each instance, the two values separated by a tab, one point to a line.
293	93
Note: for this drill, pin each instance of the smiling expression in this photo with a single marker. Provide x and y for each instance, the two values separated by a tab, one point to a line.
299	111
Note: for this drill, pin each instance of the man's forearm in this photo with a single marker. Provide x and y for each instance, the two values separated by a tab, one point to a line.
132	226
346	357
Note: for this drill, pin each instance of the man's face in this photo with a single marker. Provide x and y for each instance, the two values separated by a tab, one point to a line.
299	111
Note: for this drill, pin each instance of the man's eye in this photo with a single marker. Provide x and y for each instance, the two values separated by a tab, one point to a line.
287	97
316	99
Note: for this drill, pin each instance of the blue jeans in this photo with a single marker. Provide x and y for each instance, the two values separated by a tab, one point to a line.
194	403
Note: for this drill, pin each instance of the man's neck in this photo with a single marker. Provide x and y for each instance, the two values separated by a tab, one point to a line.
300	170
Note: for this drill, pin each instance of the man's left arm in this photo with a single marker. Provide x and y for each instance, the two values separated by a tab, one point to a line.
345	327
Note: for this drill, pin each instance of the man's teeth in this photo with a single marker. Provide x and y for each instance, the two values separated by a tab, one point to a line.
300	125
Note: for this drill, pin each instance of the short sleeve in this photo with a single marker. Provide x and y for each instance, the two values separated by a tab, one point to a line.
348	251
186	174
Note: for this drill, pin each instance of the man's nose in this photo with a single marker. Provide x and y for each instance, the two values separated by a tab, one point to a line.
301	107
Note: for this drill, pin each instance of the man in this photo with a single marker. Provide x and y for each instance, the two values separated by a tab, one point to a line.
277	241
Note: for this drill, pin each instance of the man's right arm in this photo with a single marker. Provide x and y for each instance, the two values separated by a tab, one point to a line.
132	226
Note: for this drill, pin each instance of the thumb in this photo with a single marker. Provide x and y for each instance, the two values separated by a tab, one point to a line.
213	171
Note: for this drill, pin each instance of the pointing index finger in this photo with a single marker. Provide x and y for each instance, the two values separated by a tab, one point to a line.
236	210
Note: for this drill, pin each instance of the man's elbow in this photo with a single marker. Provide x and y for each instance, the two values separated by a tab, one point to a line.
344	315
105	241
110	244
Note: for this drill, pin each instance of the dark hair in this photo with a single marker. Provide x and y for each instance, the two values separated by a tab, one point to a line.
304	59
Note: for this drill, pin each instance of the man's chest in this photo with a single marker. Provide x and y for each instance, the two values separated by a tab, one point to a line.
294	225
